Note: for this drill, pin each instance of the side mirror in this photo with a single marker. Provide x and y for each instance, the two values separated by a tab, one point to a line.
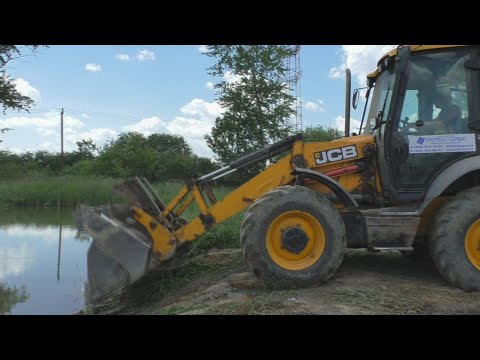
356	97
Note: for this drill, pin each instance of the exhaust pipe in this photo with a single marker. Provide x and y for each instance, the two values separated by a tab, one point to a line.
348	90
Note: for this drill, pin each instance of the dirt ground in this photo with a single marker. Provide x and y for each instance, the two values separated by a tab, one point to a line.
218	282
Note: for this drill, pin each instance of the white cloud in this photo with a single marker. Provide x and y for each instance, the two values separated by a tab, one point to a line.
48	127
202	109
315	106
49	146
340	124
197	120
193	130
336	72
190	128
147	126
231	78
15	150
203	49
93	67
50	119
360	59
145	55
98	135
312	106
24	88
122	57
210	85
85	116
46	132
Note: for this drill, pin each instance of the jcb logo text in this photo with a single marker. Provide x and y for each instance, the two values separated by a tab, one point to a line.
333	155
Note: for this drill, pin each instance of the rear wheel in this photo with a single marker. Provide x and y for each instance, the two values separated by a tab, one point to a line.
293	237
455	240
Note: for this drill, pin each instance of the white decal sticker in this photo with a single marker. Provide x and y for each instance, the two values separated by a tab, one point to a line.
429	144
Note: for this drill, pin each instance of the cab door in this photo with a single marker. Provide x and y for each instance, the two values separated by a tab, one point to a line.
432	125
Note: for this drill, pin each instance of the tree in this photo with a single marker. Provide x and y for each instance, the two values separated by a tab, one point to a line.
10	98
128	155
166	142
158	157
86	149
255	97
320	133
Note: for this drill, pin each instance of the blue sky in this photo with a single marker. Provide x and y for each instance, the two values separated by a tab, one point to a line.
106	90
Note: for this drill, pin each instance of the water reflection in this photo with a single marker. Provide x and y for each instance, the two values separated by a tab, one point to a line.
42	262
15	259
59	252
10	296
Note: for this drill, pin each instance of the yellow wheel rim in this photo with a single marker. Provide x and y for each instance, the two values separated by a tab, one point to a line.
472	244
295	240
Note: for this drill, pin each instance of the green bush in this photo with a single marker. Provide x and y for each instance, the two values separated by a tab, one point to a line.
83	167
321	134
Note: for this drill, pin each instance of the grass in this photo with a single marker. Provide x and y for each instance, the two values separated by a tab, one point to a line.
57	191
71	190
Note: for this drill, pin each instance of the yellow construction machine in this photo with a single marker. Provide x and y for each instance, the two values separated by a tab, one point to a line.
408	178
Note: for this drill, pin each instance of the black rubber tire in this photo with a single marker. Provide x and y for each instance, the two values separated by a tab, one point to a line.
265	210
447	241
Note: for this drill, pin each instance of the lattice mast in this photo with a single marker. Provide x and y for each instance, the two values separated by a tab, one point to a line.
293	77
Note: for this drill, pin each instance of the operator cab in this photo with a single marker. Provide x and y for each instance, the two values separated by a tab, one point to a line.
424	115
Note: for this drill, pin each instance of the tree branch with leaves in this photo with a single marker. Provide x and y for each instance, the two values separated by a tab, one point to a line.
253	91
10	98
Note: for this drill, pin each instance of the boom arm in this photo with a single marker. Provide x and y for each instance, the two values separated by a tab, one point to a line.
167	238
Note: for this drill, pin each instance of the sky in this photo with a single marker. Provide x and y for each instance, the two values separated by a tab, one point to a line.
107	90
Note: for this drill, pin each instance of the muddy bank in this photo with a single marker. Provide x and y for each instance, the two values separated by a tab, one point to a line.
217	282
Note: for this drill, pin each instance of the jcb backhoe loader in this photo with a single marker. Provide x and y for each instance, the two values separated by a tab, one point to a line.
410	178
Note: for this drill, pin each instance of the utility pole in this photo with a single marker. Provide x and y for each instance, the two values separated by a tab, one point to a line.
61	136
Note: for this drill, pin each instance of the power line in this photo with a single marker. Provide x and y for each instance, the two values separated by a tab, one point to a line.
103	114
82	113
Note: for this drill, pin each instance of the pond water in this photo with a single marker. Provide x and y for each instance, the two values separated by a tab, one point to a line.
43	262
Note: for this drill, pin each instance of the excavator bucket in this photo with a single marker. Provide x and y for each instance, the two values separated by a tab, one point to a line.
121	250
119	254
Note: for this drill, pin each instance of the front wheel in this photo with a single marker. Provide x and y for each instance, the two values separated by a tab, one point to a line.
293	237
